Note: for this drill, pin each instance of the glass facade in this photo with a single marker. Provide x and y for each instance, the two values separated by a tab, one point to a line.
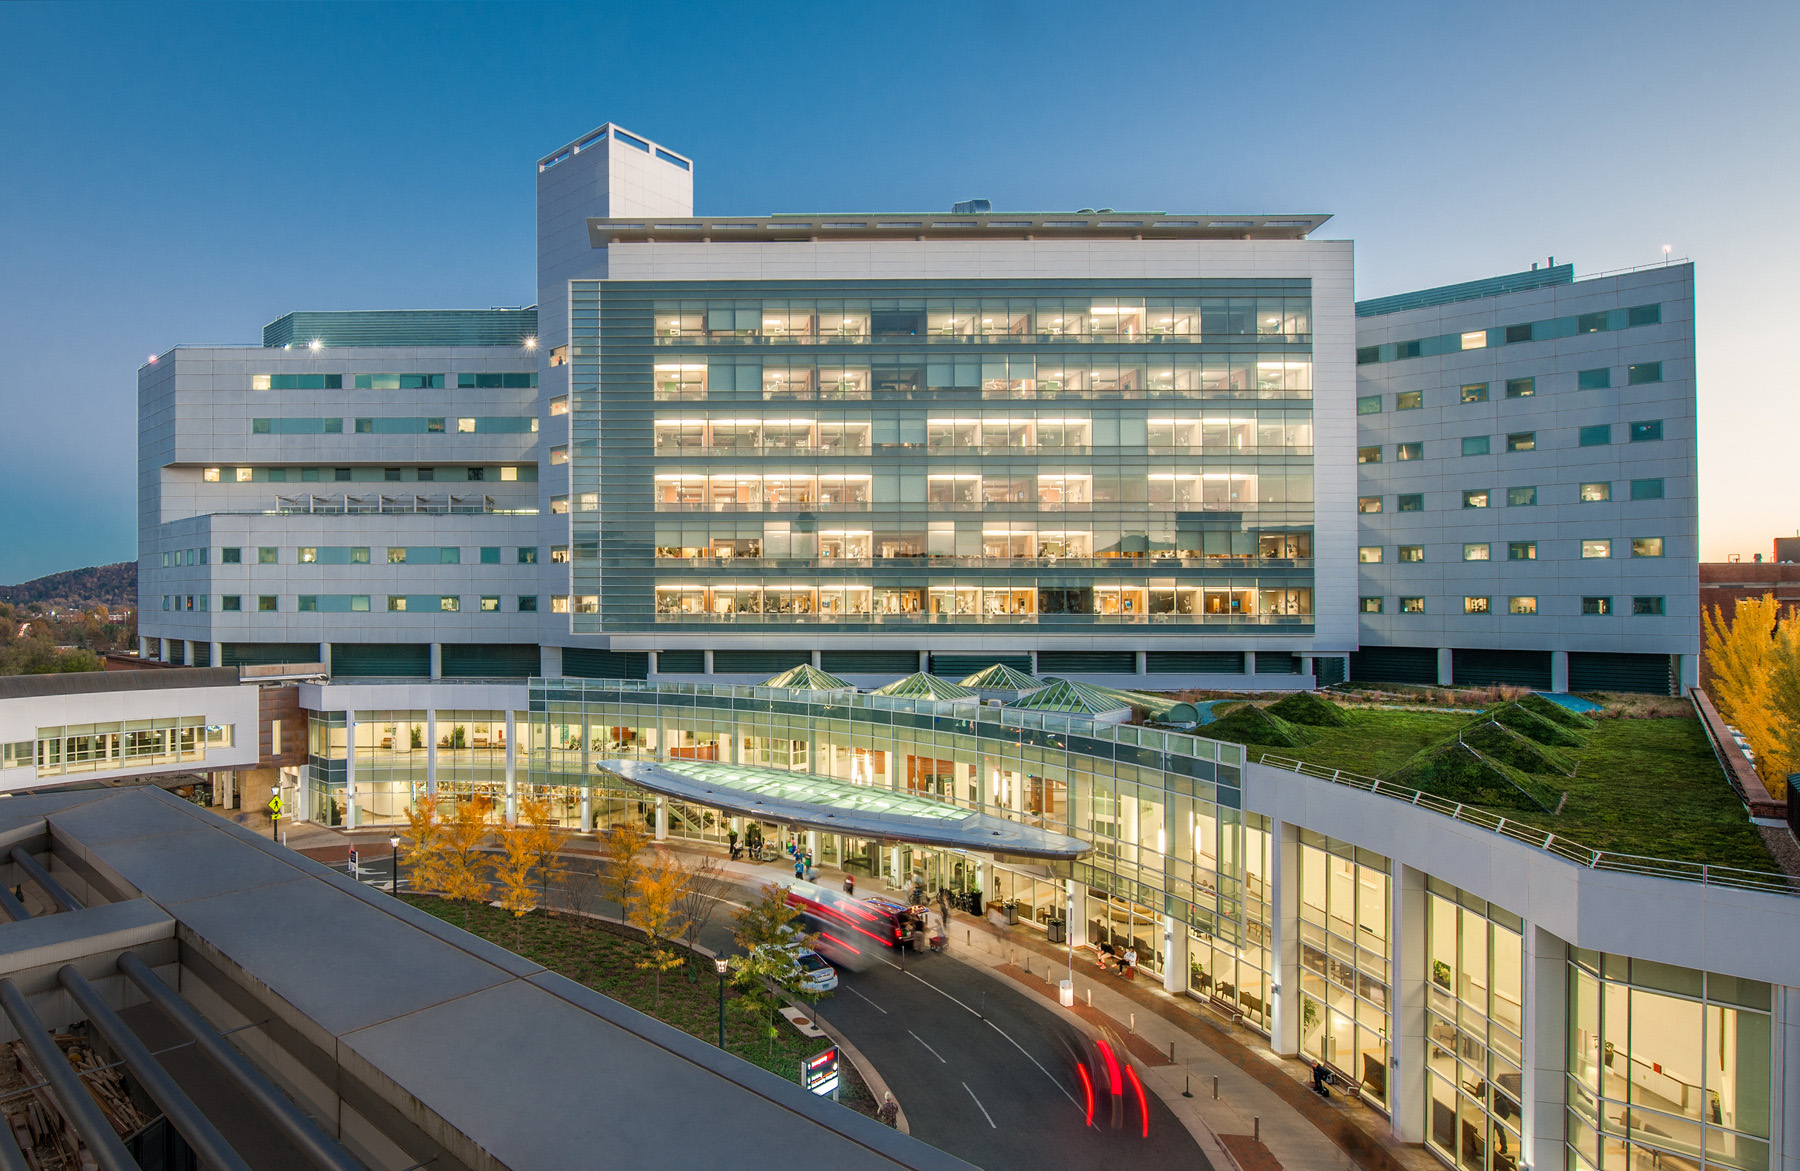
1234	969
1344	912
1475	1024
1051	454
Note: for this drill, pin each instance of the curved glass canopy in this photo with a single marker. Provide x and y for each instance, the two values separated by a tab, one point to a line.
834	806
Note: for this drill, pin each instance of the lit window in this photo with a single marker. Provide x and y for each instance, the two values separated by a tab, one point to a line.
1404	451
1409	400
396	555
527	554
490	604
396	604
1475	551
1367	504
243	475
359	603
268	556
1412	552
1521	605
1475	498
559	554
1522	441
587	502
1521	497
1521	387
1371	605
587	603
1651	606
1596	493
1475	340
559	603
359	555
1475	392
1596	605
308	554
559	506
1369	554
449	603
1412	605
1646	546
1409	502
210	475
1521	550
509	474
465	426
1474	605
559	405
1592	550
559	455
259	382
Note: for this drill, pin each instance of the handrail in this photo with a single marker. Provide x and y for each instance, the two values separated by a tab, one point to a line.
1547	840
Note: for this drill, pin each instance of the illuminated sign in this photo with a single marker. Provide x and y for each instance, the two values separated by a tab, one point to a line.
819	1073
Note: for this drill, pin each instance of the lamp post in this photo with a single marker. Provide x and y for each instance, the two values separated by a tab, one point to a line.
1069	938
721	965
394	878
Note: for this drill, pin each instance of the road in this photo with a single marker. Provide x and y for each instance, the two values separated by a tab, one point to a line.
983	1071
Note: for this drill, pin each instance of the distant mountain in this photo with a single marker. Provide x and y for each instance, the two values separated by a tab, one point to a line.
114	585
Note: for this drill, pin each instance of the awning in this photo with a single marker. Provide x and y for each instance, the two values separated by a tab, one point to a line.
834	806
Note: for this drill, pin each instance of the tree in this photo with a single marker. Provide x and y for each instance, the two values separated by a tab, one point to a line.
542	843
625	843
703	888
1755	661
424	852
653	911
768	972
513	870
465	863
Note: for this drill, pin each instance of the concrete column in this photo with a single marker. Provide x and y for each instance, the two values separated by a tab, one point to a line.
812	842
144	647
818	659
550	661
1306	668
1446	667
662	819
325	657
1284	946
431	752
655	666
1406	1003
1073	897
1687	672
1034	669
925	661
1559	670
218	654
1547	1047
168	652
1143	663
350	770
587	808
706	660
894	877
512	775
187	653
1175	956
437	660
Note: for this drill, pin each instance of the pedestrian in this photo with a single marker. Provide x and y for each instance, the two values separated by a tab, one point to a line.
799	868
849	884
731	838
944	903
1106	953
889	1111
1129	963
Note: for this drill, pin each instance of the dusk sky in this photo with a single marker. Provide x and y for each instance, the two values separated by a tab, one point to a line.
185	174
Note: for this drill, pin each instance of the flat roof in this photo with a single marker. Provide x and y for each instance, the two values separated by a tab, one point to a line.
97	682
926	226
836	806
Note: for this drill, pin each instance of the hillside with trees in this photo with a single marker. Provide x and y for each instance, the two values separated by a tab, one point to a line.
113	586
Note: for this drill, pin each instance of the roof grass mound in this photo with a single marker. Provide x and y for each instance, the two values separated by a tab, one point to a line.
1514	748
1555	712
1309	708
1449	769
1530	724
1249	724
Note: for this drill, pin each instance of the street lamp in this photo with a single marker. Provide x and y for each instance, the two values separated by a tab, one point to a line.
394	878
721	965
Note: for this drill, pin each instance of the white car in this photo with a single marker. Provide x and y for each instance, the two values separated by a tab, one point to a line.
816	973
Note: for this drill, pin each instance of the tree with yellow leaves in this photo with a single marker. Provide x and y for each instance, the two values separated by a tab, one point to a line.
513	870
542	843
1755	661
464	861
653	911
625	843
425	846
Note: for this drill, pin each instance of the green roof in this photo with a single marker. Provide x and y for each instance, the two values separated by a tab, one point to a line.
404	327
1000	677
1072	698
922	686
807	677
1160	708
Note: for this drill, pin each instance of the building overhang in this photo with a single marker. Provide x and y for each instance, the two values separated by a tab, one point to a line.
997	226
836	806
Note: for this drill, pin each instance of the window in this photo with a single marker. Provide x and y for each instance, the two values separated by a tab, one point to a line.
1475	498
1596	605
1522	441
1409	400
1409	451
1590	322
1475	445
1367	504
1367	354
296	382
1474	605
560	404
1410	502
1646	546
1596	493
528	603
1368	404
1518	604
490	555
308	554
449	555
1476	392
359	555
341	475
266	603
509	474
1412	552
1643	315
309	603
1521	497
1646	489
1371	605
210	475
490	604
465	426
559	506
559	554
507	381
449	603
477	473
587	603
1369	554
1598	435
527	554
396	604
1521	550
1475	340
396	555
1596	550
1475	551
1521	387
1642	372
1594	379
231	603
244	475
427	474
1368	455
1646	432
559	603
559	454
1649	606
1412	605
391	475
268	556
230	556
1404	350
1518	333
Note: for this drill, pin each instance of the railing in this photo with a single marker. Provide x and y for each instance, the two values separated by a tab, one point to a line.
1551	843
385	503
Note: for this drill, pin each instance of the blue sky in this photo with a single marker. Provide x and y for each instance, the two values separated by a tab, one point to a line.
174	174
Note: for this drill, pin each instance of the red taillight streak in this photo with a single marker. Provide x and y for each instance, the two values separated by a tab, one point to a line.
1112	1069
841	943
1087	1090
1143	1102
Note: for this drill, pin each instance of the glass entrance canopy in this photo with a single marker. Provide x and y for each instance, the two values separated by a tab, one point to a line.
834	806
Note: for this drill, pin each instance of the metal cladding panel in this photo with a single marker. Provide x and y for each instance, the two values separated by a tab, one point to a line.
1603	671
1395	664
491	660
253	654
582	663
381	660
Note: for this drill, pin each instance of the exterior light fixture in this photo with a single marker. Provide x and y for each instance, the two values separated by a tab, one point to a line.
531	343
153	356
315	344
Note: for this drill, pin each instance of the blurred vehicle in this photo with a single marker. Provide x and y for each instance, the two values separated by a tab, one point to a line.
1112	1093
849	928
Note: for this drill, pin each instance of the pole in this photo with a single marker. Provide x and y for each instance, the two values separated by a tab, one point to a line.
721	1009
1069	937
394	873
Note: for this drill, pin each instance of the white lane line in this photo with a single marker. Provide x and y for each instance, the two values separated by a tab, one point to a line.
928	1048
942	993
860	996
1039	1064
980	1107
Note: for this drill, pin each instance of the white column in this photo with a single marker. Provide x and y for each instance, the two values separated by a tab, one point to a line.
431	752
924	661
1143	663
550	661
1559	670
1687	674
325	656
350	770
437	660
218	654
1306	668
662	819
1547	1047
818	659
512	775
144	647
1406	1003
1446	666
1175	956
1284	947
1073	896
706	662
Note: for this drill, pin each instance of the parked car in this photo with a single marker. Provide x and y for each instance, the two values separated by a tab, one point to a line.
816	973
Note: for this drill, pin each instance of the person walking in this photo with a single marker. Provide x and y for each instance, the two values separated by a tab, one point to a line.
799	867
849	884
944	903
889	1111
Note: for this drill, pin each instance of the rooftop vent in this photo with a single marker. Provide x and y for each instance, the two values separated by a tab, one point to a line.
972	207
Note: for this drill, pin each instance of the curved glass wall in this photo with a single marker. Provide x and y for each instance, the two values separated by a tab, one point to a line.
1475	1024
1344	911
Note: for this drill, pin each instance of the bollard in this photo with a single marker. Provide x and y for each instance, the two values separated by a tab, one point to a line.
1134	1022
1171	1053
1090	998
1215	1087
1187	1086
1257	1132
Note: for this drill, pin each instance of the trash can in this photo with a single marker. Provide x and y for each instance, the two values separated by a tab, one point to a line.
1057	929
1011	911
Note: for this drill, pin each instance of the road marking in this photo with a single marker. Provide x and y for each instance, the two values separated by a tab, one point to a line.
859	995
1039	1064
942	993
928	1048
980	1107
